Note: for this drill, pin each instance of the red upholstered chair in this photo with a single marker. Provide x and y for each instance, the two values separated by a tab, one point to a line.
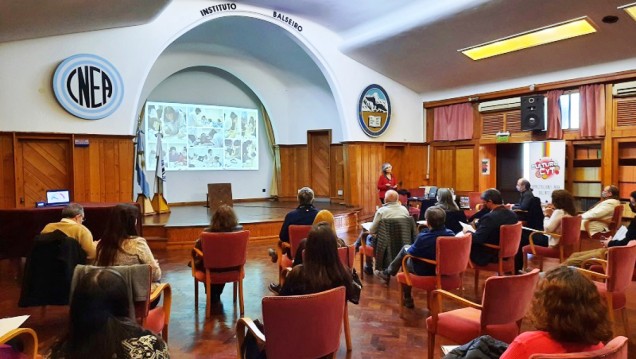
452	255
27	337
615	349
569	241
365	251
509	240
619	268
300	326
504	304
474	199
413	211
297	232
613	224
224	256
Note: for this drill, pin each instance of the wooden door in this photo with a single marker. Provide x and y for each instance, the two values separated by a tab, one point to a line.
319	146
41	165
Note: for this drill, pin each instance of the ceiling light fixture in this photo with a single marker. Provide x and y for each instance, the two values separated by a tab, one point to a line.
630	9
545	35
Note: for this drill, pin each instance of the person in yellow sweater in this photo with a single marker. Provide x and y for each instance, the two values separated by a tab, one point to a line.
71	225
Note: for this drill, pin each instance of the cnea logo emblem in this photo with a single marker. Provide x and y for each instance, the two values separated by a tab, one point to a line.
88	86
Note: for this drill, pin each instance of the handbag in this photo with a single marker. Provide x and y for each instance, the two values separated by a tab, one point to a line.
356	283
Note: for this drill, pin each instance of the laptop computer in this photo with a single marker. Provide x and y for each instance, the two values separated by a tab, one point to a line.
58	197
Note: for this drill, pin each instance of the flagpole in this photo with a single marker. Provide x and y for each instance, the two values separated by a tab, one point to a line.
159	203
142	199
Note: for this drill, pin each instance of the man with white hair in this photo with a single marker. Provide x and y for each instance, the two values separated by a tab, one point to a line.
392	208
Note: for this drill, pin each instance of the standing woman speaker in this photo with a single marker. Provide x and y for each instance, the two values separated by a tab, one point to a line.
386	181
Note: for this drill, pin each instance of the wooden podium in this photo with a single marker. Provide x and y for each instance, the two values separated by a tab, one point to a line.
218	194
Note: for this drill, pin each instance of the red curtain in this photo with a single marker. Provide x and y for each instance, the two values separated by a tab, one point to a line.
453	122
592	109
555	129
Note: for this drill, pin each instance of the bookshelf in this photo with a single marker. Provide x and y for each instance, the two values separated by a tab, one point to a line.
626	168
586	173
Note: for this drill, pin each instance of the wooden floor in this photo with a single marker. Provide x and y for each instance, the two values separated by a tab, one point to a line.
378	329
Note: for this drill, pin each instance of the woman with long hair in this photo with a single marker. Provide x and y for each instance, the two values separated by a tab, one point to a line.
562	206
322	216
100	327
223	220
321	269
569	315
453	214
120	244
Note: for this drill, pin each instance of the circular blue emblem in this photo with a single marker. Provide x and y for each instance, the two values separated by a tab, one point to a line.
88	86
374	110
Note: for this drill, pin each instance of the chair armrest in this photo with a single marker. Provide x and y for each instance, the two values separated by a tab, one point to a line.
534	252
405	268
592	274
166	290
241	325
493	246
198	252
28	338
591	261
436	305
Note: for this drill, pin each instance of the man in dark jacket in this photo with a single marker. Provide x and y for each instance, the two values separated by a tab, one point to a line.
525	197
488	227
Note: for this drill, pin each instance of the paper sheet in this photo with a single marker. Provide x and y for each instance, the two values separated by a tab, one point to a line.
8	324
467	227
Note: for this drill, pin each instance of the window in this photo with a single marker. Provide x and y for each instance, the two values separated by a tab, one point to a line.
569	103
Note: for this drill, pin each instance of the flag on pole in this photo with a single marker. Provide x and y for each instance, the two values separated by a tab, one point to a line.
141	163
160	171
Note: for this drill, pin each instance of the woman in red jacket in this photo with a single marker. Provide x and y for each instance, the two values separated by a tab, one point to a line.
386	181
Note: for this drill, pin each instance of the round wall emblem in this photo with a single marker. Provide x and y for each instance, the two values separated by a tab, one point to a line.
88	86
374	110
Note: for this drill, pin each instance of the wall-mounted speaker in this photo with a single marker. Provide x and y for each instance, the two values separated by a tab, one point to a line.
532	113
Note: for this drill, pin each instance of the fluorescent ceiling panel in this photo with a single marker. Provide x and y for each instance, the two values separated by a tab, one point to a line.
630	9
545	35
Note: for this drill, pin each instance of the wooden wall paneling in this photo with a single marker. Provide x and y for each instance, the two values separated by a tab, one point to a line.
394	154
415	165
7	171
464	169
319	145
488	152
294	170
364	166
444	174
337	172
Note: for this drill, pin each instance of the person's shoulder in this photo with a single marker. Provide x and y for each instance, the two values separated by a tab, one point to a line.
533	337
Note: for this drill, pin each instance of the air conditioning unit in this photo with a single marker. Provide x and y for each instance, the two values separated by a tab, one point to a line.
624	89
500	105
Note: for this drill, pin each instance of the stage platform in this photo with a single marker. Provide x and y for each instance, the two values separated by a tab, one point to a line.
181	227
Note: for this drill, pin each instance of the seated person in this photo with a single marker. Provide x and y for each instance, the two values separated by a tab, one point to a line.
576	259
425	246
303	215
562	206
454	215
602	210
120	244
71	225
223	220
525	198
569	314
488	228
100	326
322	216
392	208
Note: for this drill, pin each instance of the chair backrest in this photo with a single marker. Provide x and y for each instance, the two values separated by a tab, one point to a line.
348	251
570	233
615	349
453	254
297	232
616	219
620	267
303	326
417	192
403	199
224	249
507	299
509	239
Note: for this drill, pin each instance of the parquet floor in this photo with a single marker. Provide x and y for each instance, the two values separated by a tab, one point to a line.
378	328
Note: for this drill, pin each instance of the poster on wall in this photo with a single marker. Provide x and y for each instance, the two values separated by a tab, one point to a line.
202	137
544	167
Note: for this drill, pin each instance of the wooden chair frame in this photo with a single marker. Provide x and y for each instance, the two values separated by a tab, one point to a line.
28	337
